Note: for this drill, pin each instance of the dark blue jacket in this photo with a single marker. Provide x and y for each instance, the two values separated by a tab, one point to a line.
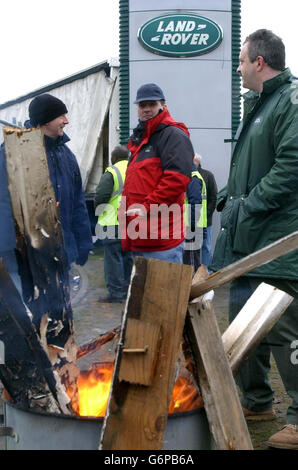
66	180
7	234
194	196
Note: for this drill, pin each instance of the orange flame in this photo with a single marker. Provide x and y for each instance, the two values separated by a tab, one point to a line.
185	397
94	388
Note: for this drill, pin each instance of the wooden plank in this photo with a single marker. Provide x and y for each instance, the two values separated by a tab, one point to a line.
215	379
140	352
43	266
42	259
245	265
253	322
136	416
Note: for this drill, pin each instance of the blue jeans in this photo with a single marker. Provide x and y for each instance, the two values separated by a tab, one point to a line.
252	378
192	257
174	255
117	268
206	250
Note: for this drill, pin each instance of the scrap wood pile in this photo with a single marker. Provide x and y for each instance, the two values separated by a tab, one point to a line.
165	305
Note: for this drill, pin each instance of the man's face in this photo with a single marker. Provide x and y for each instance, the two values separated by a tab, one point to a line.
148	109
55	127
248	70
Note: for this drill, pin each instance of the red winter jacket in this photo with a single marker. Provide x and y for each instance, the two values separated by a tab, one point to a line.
157	176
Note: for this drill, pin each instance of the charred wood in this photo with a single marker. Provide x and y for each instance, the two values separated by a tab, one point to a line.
42	260
96	343
27	373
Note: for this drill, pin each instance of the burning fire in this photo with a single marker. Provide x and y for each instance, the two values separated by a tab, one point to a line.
93	390
185	397
94	387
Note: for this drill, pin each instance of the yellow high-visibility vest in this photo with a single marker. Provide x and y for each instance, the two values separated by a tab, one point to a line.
202	222
109	214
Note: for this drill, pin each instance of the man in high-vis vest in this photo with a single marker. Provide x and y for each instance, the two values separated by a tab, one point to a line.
211	188
195	217
117	263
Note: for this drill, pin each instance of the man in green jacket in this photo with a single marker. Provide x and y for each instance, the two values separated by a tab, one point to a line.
260	205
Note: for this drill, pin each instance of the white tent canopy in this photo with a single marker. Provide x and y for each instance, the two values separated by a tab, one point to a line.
88	96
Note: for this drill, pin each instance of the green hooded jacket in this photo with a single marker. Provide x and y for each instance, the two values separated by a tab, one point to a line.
260	202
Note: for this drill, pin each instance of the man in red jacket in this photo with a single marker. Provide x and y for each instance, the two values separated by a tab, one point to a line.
158	172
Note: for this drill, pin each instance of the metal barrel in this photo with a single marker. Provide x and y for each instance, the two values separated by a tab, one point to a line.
34	431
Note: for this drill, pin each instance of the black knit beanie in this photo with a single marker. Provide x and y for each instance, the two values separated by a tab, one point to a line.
44	108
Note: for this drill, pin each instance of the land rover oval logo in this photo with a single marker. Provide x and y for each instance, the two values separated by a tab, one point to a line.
180	35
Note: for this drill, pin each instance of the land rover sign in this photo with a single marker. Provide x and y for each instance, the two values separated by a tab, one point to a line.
180	35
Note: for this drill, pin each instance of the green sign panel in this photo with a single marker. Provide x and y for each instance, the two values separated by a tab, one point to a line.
180	35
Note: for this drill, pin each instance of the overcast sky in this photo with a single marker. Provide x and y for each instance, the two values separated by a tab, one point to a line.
278	15
46	41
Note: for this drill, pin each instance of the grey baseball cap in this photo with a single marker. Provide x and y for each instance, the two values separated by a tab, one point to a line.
149	92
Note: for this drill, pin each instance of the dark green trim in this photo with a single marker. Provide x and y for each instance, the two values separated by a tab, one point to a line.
236	82
124	71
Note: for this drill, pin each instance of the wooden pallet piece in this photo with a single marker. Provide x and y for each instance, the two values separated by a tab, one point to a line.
140	352
249	263
137	415
241	338
253	322
213	373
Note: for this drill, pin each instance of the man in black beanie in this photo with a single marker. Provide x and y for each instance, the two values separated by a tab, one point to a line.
45	108
49	113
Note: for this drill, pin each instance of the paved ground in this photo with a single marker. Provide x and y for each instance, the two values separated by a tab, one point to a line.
92	318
